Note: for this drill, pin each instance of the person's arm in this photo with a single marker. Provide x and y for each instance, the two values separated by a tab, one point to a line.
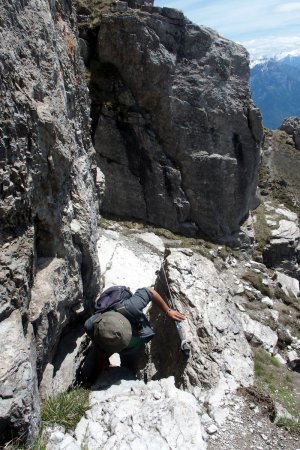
170	313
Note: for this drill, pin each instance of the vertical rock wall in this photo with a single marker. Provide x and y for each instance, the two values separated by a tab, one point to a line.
176	133
49	266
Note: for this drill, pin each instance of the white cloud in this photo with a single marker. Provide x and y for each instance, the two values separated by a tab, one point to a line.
289	7
236	19
271	45
264	27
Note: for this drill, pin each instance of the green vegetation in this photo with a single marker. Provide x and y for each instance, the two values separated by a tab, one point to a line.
261	229
272	379
284	172
16	444
89	11
66	409
173	240
256	279
289	424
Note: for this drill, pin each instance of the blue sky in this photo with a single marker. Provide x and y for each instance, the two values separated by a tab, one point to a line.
264	27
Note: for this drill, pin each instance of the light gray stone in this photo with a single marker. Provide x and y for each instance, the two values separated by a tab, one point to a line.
280	359
153	240
288	230
267	301
218	345
259	334
141	420
291	125
212	429
19	403
291	355
240	289
129	260
289	285
282	251
282	413
57	439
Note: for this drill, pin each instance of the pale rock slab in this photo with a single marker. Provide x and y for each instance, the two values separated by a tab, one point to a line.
280	359
153	240
57	439
132	415
289	285
259	334
129	260
55	292
219	350
287	229
268	301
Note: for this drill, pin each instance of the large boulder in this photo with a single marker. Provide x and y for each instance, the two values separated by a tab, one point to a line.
175	131
220	354
48	204
282	249
291	125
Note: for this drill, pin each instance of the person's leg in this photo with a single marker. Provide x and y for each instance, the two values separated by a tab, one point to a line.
102	361
133	358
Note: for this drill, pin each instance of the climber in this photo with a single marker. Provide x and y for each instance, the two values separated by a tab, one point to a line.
125	328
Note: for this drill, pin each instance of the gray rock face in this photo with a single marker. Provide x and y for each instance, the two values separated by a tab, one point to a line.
48	202
19	405
176	133
291	125
219	350
283	248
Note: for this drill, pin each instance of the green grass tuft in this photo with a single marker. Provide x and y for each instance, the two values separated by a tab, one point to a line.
278	384
289	424
261	229
66	409
17	444
256	279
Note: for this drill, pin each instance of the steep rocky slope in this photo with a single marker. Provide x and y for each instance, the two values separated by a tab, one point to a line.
175	131
48	198
179	146
238	312
241	306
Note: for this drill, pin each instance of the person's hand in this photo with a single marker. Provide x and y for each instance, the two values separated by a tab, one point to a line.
175	315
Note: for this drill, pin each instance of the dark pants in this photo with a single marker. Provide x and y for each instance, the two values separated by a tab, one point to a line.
133	358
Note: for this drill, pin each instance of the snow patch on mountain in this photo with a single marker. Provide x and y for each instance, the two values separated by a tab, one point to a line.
277	57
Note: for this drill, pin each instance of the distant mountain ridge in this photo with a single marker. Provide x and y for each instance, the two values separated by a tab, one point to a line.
275	86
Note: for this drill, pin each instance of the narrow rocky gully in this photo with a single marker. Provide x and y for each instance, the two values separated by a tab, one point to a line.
212	400
132	154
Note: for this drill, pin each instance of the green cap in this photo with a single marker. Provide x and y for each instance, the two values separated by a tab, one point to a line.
112	332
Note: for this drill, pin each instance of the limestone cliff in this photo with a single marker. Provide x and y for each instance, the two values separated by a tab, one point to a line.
175	131
48	201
